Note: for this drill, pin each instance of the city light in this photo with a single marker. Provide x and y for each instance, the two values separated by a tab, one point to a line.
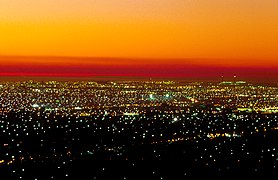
56	124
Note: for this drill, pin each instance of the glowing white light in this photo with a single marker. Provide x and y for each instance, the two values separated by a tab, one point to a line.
175	119
35	105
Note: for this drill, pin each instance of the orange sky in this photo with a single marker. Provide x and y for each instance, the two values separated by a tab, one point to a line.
233	33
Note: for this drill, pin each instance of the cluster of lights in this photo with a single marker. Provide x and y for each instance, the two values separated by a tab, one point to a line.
77	120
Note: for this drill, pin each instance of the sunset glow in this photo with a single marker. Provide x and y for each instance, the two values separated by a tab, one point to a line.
85	84
130	37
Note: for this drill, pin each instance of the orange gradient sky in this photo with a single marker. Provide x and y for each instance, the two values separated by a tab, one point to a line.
216	33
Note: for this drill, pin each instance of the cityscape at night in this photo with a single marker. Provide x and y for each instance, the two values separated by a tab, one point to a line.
129	89
137	129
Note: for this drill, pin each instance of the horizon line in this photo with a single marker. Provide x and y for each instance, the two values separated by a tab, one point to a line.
59	61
